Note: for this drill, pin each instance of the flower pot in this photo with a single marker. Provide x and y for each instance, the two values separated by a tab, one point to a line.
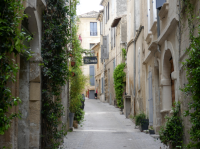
73	64
70	55
71	119
151	132
144	124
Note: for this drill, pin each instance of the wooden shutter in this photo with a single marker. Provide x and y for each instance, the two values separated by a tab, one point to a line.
92	75
150	99
107	48
172	83
159	3
108	11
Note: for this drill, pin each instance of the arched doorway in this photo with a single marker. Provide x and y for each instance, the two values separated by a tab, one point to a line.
168	86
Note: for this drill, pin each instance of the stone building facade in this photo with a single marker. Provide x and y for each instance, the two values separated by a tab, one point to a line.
89	34
26	132
155	49
113	37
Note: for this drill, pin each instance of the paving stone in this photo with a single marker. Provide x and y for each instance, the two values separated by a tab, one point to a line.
105	128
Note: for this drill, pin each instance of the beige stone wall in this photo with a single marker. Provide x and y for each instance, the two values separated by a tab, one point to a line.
84	31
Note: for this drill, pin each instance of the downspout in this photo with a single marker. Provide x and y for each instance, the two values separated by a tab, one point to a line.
134	48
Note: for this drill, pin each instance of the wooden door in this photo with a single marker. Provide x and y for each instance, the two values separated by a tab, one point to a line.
172	83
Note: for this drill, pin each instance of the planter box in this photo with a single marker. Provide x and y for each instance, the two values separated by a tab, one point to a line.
151	132
144	125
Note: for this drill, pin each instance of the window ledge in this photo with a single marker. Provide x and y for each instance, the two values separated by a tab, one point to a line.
149	38
164	10
165	111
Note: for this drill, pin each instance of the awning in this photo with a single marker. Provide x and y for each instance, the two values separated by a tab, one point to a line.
116	21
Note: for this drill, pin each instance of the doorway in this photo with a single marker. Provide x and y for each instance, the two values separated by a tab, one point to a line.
91	94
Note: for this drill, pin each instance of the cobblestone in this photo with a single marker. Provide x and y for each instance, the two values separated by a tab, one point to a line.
105	128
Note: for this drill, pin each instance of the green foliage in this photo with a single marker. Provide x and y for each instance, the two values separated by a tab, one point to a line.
172	132
124	53
56	35
77	82
118	76
192	67
11	43
139	118
79	115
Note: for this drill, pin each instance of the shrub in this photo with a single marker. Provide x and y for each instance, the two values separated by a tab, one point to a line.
139	118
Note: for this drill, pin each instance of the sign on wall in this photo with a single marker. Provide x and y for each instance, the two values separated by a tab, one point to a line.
90	60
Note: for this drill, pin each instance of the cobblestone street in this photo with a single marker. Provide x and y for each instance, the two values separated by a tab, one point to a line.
105	128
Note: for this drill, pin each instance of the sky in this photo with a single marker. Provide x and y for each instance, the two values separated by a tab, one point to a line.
88	5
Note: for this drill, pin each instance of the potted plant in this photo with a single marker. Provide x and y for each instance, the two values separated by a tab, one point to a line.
70	55
151	130
144	124
140	120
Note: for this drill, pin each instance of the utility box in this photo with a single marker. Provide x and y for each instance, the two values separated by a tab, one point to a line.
127	105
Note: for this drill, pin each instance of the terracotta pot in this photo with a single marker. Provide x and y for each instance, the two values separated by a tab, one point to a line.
73	64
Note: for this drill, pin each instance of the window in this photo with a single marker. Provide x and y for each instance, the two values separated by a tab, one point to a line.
93	28
159	3
92	80
91	45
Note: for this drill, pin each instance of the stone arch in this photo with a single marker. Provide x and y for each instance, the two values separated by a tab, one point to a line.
168	67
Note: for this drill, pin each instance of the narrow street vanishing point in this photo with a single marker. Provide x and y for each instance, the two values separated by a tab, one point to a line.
105	128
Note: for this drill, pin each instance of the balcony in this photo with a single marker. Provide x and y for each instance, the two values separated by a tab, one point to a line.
93	33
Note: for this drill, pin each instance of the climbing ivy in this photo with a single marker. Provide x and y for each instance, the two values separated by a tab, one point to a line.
56	36
172	132
192	67
118	76
11	45
124	53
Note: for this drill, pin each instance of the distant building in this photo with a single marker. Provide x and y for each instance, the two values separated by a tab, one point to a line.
89	35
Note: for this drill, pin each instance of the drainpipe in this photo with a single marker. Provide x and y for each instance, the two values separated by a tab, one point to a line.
134	48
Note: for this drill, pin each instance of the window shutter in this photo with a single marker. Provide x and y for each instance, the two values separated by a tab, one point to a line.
108	11
159	3
102	53
92	75
150	100
106	14
107	48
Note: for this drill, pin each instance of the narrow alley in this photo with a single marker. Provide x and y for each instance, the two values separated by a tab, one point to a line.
105	128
